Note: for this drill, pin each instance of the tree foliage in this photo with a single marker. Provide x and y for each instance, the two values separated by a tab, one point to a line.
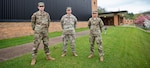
140	19
101	10
130	16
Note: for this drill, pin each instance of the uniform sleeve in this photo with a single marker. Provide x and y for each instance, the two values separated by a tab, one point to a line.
33	21
101	24
89	23
49	20
75	23
61	21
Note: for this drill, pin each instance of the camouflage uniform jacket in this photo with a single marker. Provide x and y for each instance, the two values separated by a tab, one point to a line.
68	24
95	25
40	21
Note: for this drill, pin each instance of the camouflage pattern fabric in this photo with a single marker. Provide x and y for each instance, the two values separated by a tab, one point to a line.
68	24
40	24
66	38
95	25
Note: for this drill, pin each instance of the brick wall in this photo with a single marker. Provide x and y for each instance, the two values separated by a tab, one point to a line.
17	29
94	5
128	21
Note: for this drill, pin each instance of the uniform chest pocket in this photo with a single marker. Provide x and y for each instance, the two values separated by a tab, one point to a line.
66	20
38	16
95	23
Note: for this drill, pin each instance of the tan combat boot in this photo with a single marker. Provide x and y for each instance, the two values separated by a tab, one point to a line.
64	54
33	61
101	58
48	57
91	55
75	54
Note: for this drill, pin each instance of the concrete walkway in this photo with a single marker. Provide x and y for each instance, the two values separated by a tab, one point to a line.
12	52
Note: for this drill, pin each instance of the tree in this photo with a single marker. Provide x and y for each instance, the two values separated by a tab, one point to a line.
140	19
101	10
130	16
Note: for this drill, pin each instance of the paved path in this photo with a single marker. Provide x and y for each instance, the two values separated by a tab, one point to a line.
12	52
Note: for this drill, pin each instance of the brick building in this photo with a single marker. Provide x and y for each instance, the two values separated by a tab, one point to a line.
113	18
15	15
94	5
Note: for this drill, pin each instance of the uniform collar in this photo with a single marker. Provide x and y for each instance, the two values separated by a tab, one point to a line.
94	18
68	15
41	12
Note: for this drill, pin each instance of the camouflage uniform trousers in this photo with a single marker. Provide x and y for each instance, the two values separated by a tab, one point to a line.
70	37
98	39
38	36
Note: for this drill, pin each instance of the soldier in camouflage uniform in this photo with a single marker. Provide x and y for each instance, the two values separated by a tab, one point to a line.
68	23
40	23
95	25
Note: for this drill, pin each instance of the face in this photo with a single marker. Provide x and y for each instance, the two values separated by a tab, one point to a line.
94	15
41	8
68	11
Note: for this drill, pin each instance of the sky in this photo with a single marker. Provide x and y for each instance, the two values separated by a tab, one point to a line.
132	6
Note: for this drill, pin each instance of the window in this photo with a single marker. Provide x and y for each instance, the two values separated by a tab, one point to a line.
94	3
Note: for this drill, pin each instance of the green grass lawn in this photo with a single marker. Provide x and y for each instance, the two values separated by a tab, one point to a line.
124	47
26	39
